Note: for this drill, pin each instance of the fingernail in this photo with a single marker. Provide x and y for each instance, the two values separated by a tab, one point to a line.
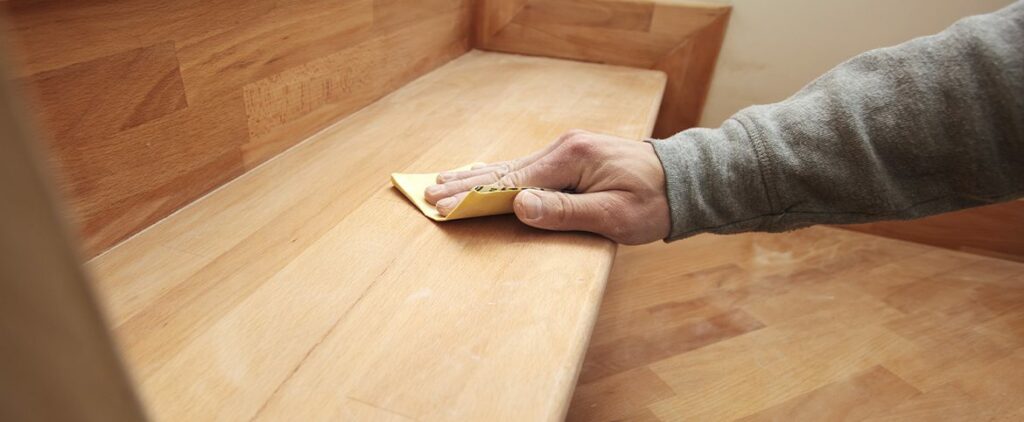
443	177
531	205
446	203
433	189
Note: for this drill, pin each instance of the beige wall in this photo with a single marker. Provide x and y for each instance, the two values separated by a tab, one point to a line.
774	47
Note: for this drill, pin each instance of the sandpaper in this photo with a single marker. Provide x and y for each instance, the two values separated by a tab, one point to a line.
481	201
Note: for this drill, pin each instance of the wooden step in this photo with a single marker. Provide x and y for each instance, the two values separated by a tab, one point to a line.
817	324
309	289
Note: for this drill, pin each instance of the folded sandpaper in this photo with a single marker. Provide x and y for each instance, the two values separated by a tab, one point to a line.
481	201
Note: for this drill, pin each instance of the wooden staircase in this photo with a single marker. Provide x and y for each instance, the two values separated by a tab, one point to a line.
227	166
310	289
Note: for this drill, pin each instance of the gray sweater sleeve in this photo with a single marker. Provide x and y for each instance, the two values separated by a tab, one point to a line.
928	126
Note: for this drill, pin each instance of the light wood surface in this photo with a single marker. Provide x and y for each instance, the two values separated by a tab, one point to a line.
817	324
680	38
309	289
57	360
993	230
150	104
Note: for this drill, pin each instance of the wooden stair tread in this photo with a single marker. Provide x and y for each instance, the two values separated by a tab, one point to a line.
308	288
814	324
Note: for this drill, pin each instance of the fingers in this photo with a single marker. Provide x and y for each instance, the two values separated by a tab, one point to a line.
538	169
451	176
593	212
546	173
549	172
447	205
436	193
543	174
500	168
504	167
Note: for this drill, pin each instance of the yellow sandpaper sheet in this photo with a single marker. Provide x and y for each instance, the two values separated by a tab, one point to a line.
481	201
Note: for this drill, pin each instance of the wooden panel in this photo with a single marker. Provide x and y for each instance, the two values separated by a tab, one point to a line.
848	327
309	289
57	360
151	104
994	230
491	16
681	40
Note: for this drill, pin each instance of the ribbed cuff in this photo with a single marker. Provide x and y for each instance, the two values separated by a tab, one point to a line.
713	181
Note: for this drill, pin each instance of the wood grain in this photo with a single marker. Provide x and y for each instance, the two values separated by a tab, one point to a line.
993	230
149	105
679	39
309	289
842	326
57	360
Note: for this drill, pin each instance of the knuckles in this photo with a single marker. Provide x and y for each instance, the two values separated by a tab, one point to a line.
497	175
572	133
563	210
505	167
510	180
580	146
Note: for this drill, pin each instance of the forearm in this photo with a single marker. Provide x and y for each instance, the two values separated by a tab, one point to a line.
929	126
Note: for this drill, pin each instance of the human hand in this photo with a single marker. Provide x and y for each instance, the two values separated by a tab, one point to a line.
617	187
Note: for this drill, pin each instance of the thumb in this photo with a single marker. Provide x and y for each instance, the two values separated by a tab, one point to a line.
592	212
